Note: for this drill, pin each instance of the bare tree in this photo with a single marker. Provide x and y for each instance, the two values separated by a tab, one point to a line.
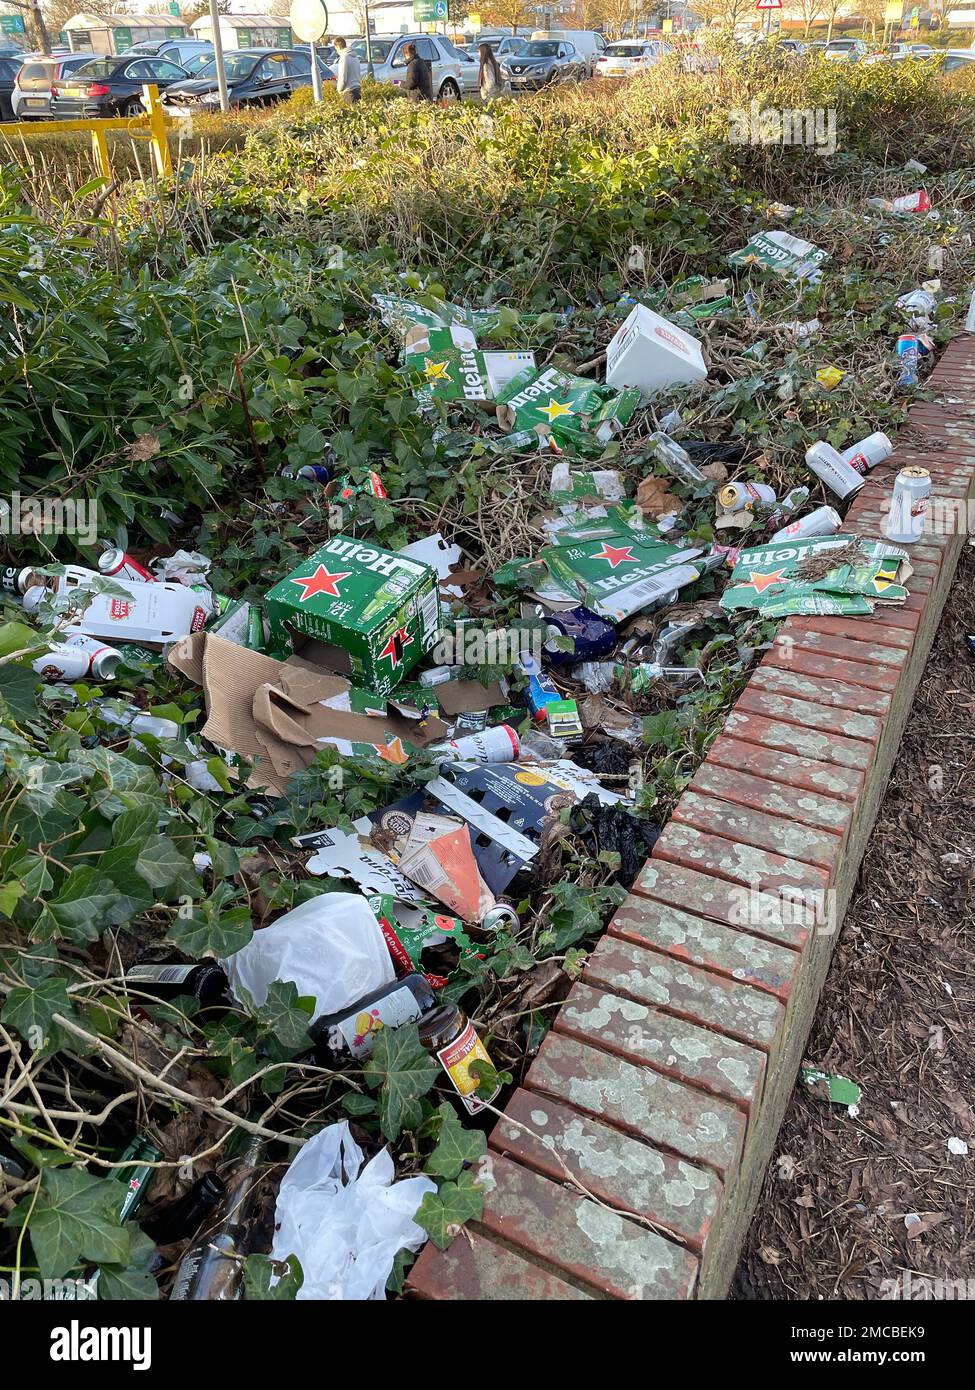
809	12
507	14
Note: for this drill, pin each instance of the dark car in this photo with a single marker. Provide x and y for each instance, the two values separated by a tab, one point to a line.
255	77
542	61
110	86
8	71
32	85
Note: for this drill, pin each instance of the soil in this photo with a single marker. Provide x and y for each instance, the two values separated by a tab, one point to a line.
874	1205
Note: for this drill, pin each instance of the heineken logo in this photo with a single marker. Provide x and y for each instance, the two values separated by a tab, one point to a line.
435	371
383	562
397	644
546	385
321	582
616	555
554	409
760	582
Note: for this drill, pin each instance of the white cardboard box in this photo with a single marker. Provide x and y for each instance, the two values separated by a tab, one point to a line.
651	353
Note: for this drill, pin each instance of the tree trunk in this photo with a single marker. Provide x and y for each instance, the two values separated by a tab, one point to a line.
44	38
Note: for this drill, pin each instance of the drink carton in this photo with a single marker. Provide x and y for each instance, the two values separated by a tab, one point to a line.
650	353
378	612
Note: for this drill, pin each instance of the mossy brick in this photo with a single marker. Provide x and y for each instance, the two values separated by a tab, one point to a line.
748	826
640	1033
723	950
869	631
680	1198
787	654
739	862
779	917
558	1226
799	773
474	1268
809	714
759	794
700	996
640	1101
816	745
822	690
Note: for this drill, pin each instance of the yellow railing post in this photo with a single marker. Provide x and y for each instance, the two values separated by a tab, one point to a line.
99	153
157	128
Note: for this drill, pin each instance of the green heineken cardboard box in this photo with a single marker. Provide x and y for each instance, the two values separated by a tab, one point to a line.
454	369
377	612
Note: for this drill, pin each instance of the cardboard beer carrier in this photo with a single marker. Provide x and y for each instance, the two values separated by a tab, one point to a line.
621	575
770	578
378	612
454	369
783	254
567	407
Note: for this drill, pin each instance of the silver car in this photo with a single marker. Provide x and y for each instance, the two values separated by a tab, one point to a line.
389	64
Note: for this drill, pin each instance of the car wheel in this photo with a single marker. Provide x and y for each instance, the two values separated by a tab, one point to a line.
449	91
133	107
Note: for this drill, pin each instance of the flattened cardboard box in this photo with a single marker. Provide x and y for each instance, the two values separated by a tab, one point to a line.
272	712
378	611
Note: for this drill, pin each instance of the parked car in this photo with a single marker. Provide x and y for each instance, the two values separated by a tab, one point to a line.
470	70
846	50
629	57
8	72
543	61
255	77
794	47
110	86
389	65
179	50
502	44
32	85
587	43
955	59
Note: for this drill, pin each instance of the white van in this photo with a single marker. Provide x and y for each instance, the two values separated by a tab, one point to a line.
587	43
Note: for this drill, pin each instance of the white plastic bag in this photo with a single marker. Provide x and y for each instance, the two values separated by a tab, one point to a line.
344	1222
331	947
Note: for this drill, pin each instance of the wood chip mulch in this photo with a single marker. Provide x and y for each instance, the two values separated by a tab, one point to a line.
866	1206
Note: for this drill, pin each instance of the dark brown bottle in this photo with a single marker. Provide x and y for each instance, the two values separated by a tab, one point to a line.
204	982
352	1032
185	1217
211	1269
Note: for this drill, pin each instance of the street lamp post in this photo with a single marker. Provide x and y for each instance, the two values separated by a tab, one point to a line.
218	57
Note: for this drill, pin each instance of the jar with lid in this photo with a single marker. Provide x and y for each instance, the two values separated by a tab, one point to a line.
451	1037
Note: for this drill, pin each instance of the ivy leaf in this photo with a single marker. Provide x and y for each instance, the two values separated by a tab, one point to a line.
456	1146
260	1269
161	864
356	1104
203	933
30	1011
286	1015
442	1213
132	1281
397	1277
137	826
404	1071
133	895
17	687
74	1221
42	817
84	904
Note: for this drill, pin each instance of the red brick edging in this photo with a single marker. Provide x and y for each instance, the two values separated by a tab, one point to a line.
663	1082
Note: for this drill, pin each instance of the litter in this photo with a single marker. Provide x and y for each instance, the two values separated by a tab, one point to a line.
783	254
343	1219
651	354
832	575
330	947
839	1090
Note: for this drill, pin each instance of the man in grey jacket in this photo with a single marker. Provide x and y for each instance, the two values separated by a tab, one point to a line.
348	81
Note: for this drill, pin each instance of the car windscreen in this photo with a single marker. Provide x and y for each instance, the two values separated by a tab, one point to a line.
197	63
380	49
540	49
237	65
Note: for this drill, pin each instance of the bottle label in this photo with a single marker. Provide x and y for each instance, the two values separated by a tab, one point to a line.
161	974
456	1059
358	1030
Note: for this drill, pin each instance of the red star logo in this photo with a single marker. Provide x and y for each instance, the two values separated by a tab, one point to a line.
321	582
134	1184
616	555
761	582
394	648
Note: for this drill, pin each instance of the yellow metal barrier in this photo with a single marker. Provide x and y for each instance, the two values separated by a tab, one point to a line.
152	126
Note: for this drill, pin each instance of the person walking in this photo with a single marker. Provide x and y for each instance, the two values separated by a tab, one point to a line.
348	79
490	79
418	82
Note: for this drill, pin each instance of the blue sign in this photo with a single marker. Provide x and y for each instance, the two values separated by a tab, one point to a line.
440	9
